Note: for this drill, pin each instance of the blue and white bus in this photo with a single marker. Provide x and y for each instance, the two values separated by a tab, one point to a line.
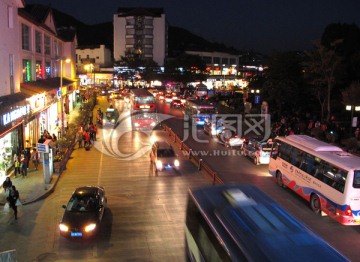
237	222
199	111
323	174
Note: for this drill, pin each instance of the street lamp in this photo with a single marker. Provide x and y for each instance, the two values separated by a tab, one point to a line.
352	108
62	97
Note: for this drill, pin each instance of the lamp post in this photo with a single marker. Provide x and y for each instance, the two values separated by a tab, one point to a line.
352	108
62	97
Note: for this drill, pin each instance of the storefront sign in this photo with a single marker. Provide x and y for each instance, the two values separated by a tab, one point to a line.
15	114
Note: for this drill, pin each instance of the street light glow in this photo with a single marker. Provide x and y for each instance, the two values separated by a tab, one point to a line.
348	108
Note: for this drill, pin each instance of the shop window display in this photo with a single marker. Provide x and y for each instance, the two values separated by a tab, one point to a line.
6	153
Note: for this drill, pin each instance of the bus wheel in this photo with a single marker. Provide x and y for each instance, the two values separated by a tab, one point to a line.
279	179
315	204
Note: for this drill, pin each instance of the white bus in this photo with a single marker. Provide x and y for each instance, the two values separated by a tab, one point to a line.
323	174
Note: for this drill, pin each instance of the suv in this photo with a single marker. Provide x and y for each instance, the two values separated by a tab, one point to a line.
163	157
258	150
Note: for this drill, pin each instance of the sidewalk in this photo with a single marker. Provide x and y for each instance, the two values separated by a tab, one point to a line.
32	187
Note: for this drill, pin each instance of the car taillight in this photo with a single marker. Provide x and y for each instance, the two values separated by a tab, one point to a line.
197	119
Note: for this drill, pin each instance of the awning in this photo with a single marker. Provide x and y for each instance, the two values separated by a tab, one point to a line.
49	85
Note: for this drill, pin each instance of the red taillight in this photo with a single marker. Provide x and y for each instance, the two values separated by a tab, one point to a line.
236	136
348	211
197	119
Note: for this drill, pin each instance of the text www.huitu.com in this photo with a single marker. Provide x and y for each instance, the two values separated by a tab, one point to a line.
215	153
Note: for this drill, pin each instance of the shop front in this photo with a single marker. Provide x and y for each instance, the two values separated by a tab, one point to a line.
14	111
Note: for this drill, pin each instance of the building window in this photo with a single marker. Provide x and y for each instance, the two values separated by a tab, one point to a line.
216	60
207	59
47	69
26	70
233	61
56	50
25	37
10	17
38	42
11	70
225	61
47	45
39	70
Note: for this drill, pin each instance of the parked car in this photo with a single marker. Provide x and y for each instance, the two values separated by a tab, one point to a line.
163	157
258	150
84	212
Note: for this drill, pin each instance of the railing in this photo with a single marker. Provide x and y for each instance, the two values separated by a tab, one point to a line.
201	164
8	256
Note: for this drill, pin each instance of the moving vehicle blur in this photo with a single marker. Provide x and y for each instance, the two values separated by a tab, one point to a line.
238	222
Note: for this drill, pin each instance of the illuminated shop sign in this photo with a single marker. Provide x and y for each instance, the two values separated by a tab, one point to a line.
15	114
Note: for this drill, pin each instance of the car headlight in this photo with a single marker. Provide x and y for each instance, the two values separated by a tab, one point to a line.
153	124
176	163
90	227
63	228
136	124
159	164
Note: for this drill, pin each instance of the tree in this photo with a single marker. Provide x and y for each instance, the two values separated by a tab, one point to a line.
192	68
321	68
283	81
351	95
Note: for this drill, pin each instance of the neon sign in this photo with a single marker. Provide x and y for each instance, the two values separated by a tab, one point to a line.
15	114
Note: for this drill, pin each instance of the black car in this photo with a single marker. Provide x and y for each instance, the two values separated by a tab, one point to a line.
84	212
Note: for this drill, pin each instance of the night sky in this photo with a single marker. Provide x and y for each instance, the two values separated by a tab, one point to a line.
258	25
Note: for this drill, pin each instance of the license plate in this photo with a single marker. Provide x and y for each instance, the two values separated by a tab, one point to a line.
76	234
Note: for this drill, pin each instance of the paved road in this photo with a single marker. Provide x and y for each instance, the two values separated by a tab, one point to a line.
145	219
234	168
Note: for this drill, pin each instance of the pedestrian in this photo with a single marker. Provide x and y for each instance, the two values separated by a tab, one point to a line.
35	158
13	198
16	166
23	165
7	185
79	137
95	131
54	138
357	134
86	138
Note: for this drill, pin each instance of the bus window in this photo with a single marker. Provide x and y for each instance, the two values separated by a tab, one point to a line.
356	183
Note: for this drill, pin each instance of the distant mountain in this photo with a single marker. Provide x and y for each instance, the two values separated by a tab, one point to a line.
180	40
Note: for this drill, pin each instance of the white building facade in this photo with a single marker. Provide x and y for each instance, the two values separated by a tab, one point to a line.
141	31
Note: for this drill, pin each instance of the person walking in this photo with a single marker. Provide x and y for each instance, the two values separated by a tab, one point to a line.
23	165
16	166
79	137
7	186
12	199
35	158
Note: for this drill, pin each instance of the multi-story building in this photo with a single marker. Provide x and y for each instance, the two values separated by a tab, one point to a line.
36	81
142	32
93	64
